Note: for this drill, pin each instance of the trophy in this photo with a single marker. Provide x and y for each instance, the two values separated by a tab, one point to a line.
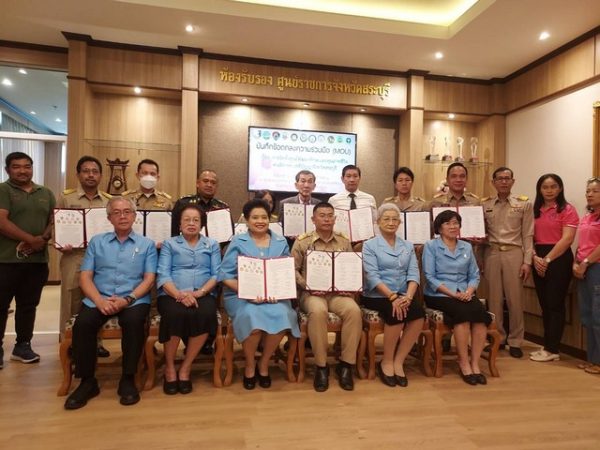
447	154
433	156
474	158
459	144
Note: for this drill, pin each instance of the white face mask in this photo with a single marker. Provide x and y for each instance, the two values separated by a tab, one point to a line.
148	181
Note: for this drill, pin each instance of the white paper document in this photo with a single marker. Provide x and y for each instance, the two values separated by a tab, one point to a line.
264	278
218	225
473	223
138	223
357	224
417	226
96	222
158	225
69	228
297	219
334	271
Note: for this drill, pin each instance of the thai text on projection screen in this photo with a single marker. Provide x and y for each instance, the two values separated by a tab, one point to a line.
276	155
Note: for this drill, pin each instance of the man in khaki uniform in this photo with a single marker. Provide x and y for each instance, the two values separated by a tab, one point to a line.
317	304
509	223
403	182
86	195
456	178
147	197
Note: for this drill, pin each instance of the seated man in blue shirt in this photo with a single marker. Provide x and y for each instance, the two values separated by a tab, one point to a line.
116	276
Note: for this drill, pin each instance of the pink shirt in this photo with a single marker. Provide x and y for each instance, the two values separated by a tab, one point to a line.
589	235
548	227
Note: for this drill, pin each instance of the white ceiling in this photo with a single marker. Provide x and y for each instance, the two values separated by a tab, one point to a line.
492	39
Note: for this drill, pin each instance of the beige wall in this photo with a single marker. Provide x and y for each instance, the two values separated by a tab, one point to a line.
223	130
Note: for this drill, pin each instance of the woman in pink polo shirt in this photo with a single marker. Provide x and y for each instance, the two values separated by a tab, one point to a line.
554	231
587	271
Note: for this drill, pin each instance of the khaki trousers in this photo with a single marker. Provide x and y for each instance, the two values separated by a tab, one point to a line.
70	293
502	273
348	310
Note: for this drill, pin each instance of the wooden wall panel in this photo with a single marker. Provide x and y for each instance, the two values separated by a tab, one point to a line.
33	58
133	68
457	97
565	70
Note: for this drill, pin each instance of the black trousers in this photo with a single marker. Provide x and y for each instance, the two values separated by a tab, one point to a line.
85	331
23	282
551	292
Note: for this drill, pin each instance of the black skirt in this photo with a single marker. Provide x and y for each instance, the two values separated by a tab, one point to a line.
384	307
181	321
456	311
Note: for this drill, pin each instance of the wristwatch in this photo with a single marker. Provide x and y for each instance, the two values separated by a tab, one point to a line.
547	260
586	262
130	298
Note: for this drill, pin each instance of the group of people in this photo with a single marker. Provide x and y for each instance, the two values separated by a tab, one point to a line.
116	274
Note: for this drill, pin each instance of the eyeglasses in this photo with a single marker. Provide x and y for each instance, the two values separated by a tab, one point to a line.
90	171
118	212
191	220
390	219
502	179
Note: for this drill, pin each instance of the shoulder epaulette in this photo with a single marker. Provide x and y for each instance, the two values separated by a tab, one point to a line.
127	192
485	199
164	194
339	233
105	194
419	199
303	236
523	198
471	194
69	191
389	199
441	194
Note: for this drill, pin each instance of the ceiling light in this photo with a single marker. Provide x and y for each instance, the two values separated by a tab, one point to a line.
306	105
544	35
451	116
137	90
189	28
6	82
363	109
32	113
23	71
58	120
244	100
439	55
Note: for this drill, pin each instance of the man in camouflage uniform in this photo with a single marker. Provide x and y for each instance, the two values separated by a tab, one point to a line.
508	256
206	188
86	195
317	304
147	197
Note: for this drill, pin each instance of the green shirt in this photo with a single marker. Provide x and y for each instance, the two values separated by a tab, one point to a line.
30	211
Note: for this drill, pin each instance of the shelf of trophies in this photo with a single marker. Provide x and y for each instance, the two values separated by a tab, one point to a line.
448	141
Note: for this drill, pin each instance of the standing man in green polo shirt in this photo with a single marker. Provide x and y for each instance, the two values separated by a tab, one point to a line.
25	228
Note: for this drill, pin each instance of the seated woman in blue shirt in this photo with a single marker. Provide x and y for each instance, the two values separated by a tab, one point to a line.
391	280
258	319
452	277
187	274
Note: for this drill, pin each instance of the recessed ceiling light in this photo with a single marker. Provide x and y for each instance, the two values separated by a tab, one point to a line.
245	100
306	105
189	28
439	55
33	113
451	116
363	109
544	35
57	119
137	90
6	82
23	71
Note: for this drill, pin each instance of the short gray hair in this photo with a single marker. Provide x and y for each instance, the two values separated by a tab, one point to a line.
387	207
109	205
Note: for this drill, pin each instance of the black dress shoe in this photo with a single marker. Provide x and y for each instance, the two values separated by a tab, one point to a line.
344	373
249	382
480	378
401	381
86	390
184	386
102	352
170	387
128	392
470	379
385	379
515	352
321	381
264	381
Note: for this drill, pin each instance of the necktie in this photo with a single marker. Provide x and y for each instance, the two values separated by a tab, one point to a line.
352	201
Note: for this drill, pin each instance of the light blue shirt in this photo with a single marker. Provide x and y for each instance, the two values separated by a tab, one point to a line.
119	267
186	267
456	270
243	245
394	267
